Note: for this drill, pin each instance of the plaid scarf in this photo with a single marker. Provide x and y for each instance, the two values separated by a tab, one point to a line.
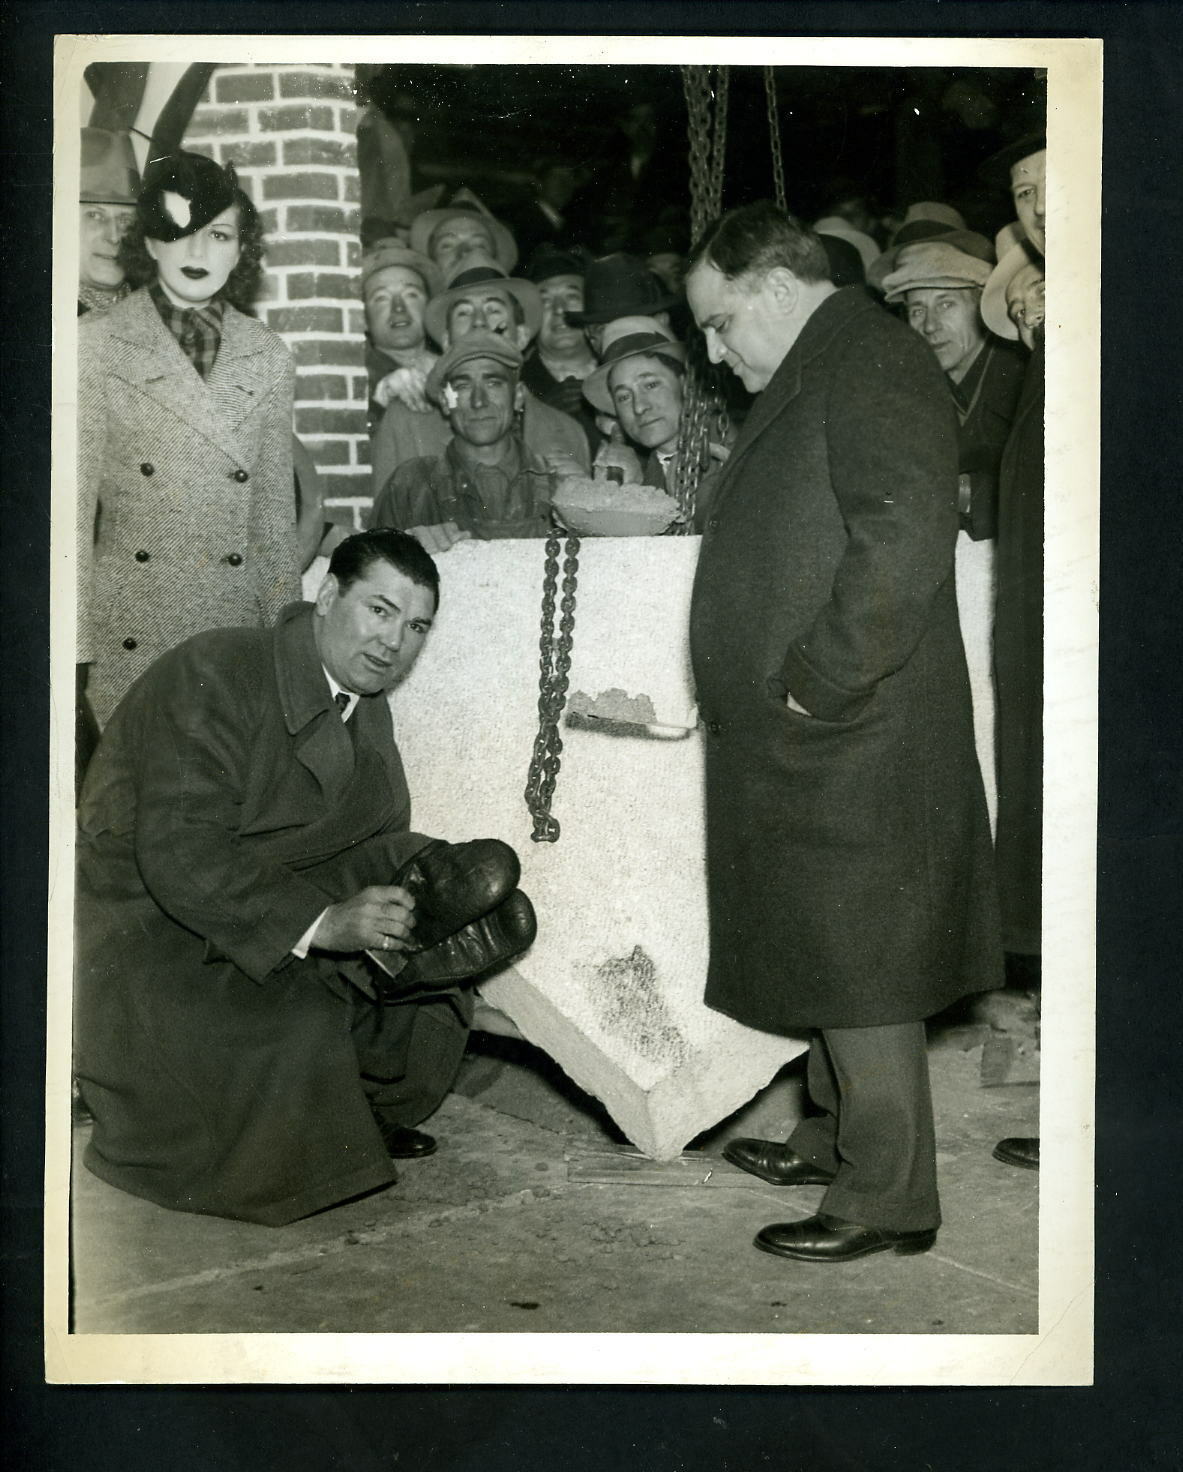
198	330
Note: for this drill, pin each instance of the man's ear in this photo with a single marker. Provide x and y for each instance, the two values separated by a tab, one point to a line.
519	398
521	335
328	593
783	288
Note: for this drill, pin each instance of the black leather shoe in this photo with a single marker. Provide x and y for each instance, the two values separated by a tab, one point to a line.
404	1143
775	1163
1017	1151
454	884
823	1238
488	943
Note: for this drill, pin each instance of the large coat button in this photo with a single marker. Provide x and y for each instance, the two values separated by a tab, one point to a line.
129	643
241	476
147	468
142	556
713	727
234	559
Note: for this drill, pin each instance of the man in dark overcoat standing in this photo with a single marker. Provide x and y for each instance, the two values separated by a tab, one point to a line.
244	842
851	880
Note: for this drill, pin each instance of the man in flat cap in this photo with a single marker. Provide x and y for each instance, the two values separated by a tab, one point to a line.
109	186
487	483
938	284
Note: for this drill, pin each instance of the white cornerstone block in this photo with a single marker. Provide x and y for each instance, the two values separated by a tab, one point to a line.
612	988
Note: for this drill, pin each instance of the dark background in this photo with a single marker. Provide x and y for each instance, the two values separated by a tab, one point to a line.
1130	1419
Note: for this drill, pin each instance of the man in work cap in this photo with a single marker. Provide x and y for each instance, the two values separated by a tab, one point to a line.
940	289
108	188
969	242
452	231
486	483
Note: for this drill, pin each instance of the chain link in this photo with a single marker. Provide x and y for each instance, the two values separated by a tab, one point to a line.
778	163
701	399
555	670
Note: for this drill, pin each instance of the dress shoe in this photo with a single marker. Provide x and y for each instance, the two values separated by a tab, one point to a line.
490	942
454	884
1018	1151
824	1238
775	1163
404	1143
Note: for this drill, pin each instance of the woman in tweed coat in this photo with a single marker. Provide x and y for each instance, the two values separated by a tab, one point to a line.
186	512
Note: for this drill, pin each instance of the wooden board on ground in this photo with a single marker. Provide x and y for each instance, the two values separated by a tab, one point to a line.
623	1166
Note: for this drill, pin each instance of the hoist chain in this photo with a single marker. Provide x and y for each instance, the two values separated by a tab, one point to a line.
555	668
778	163
701	406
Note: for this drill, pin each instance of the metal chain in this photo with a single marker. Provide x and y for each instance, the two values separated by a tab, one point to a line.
702	400
555	670
778	163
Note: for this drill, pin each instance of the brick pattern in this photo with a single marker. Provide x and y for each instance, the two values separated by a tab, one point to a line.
290	133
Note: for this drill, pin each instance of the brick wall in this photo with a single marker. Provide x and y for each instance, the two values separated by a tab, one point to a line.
290	132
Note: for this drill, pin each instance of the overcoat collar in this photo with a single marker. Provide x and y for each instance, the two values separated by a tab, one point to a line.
322	745
832	318
322	741
147	355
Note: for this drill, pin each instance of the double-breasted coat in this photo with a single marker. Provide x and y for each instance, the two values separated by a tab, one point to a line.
186	503
850	870
225	807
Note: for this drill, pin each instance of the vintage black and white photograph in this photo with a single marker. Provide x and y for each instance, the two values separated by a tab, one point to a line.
557	552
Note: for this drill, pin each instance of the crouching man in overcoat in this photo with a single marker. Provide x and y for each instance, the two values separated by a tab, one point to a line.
270	964
851	881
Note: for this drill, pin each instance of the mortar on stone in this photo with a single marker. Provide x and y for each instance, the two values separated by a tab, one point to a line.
604	508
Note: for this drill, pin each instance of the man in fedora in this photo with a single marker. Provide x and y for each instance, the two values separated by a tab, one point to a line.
560	358
110	185
640	381
396	285
1021	168
620	285
479	296
486	483
938	285
462	227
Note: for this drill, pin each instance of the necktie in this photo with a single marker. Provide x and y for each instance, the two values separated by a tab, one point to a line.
341	701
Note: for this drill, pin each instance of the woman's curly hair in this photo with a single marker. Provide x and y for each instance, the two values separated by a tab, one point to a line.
242	285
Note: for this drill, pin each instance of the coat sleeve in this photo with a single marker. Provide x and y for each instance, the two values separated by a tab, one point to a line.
92	434
194	753
892	444
274	502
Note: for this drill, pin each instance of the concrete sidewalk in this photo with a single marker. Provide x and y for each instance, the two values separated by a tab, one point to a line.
526	1220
